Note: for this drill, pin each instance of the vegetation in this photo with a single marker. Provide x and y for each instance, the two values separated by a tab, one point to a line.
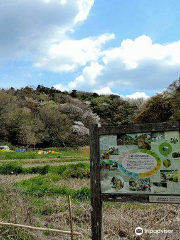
44	186
48	117
34	194
79	170
163	107
34	188
40	200
60	154
45	116
10	168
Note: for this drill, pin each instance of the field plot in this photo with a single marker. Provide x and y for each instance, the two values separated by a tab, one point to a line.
34	191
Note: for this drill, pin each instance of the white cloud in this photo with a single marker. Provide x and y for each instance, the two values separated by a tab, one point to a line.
59	87
104	91
84	9
39	31
87	76
132	53
90	73
137	95
29	28
139	65
71	54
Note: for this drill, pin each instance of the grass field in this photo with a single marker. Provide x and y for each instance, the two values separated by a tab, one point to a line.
34	190
60	153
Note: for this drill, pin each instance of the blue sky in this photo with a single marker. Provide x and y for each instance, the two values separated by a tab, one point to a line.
126	47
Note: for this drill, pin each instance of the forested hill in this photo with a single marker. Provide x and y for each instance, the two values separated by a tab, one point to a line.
163	107
48	117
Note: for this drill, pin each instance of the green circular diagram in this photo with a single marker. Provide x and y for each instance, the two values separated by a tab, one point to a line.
140	163
165	148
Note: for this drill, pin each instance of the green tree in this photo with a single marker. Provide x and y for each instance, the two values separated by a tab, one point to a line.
156	109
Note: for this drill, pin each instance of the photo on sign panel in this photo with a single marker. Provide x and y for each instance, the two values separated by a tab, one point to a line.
127	139
140	185
159	187
142	140
169	175
157	137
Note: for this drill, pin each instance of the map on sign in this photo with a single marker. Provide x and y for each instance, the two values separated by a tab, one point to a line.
142	163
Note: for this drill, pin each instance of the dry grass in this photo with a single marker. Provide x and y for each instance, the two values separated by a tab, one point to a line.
120	220
16	208
52	164
4	179
85	150
74	183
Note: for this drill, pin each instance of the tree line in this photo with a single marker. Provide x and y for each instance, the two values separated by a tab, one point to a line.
47	117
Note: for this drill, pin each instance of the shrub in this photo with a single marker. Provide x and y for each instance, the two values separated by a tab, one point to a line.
76	172
10	168
83	194
80	170
6	144
33	170
41	186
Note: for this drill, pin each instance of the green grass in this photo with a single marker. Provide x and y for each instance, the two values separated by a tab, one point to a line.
43	161
80	170
40	193
45	186
60	153
10	168
12	233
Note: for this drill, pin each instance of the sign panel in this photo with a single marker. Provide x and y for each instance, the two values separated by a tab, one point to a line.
140	163
164	199
133	163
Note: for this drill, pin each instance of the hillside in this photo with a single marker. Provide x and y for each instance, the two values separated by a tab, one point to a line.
48	117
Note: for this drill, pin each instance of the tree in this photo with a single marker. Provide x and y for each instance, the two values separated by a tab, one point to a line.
156	109
57	125
32	132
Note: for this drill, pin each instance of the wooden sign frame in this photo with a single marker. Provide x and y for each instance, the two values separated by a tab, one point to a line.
97	198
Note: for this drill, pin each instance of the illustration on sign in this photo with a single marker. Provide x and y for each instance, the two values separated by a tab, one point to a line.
142	163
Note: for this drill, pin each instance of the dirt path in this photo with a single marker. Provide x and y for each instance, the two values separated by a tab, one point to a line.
43	159
4	179
51	164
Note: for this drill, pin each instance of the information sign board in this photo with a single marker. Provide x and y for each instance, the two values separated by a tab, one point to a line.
134	163
140	163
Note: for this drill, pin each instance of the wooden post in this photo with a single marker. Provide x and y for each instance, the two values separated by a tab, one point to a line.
96	203
71	218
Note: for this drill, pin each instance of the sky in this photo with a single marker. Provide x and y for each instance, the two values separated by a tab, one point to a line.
125	47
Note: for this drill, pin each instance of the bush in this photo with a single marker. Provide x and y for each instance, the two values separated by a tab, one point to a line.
80	170
83	194
10	168
33	170
6	144
76	172
42	186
